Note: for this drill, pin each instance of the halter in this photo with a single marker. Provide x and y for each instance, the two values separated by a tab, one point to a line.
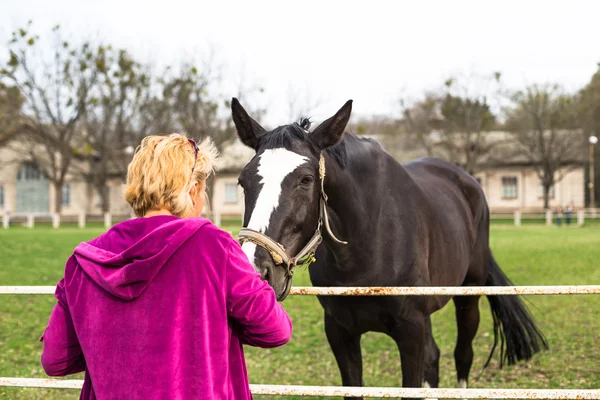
306	256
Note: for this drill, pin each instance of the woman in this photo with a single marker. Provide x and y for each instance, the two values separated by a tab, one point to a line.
159	306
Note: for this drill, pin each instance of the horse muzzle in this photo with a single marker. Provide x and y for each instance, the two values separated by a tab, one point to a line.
288	287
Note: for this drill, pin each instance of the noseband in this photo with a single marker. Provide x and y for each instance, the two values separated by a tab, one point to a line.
306	256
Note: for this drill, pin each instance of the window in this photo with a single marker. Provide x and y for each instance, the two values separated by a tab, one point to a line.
66	195
1	196
231	193
541	191
509	187
30	172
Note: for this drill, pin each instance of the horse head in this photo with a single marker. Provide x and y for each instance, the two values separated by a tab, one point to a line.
285	202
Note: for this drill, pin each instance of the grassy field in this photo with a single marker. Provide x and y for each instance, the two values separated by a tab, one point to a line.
530	255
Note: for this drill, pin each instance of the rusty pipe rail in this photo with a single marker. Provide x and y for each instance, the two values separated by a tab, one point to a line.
390	290
294	390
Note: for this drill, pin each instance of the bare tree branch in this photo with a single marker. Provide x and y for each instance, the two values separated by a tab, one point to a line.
56	96
543	123
453	122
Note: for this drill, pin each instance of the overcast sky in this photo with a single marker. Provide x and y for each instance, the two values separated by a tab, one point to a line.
330	51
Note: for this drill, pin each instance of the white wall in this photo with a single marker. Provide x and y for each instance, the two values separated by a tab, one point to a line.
218	198
570	190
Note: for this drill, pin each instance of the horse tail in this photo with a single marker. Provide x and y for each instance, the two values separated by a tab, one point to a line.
519	336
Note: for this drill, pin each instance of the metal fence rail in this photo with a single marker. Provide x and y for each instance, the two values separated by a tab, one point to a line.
389	290
293	390
369	392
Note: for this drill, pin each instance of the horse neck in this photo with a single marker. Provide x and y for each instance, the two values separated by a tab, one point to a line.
353	190
347	203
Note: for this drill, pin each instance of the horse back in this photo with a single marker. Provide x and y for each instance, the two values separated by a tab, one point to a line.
455	211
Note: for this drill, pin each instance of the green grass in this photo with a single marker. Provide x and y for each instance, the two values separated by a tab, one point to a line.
530	255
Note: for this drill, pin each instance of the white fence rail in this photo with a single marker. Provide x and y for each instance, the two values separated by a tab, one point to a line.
389	290
550	217
56	220
519	217
369	392
293	390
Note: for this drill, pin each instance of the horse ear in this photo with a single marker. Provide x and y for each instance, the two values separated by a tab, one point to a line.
248	129
331	130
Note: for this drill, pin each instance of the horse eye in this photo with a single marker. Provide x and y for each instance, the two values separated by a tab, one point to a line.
307	180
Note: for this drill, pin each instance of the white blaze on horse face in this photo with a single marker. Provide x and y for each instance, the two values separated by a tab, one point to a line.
249	249
273	166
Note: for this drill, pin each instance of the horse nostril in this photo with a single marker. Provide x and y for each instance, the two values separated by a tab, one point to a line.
267	272
270	276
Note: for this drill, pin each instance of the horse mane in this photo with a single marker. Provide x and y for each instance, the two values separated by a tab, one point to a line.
283	136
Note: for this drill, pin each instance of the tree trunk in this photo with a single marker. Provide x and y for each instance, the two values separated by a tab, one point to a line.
58	197
547	196
104	195
210	194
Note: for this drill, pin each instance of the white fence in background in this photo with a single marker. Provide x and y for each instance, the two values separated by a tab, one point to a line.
549	217
57	220
518	217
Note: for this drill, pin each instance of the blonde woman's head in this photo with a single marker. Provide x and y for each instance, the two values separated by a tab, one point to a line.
167	174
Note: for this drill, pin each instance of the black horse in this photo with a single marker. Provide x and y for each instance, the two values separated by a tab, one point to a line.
423	223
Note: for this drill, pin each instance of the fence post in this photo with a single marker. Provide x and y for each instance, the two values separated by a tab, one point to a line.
580	217
55	220
217	218
30	221
549	217
5	220
107	220
81	220
518	218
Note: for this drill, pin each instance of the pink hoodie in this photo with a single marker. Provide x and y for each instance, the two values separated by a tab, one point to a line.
159	308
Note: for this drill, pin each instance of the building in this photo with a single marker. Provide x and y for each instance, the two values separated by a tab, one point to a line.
24	190
509	181
509	188
510	185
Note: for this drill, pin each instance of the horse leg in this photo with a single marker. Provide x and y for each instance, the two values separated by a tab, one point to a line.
346	349
467	320
411	337
432	359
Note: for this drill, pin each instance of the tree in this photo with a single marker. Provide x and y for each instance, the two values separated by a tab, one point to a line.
56	92
388	132
11	102
590	119
189	103
544	125
454	122
111	123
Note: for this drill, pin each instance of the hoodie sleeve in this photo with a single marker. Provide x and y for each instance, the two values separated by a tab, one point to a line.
62	354
251	302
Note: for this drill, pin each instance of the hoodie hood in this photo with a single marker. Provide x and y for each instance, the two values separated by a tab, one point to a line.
125	260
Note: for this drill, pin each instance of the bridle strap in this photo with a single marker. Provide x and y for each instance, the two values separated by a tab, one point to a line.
324	217
277	251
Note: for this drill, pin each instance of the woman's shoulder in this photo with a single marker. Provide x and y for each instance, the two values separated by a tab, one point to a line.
211	234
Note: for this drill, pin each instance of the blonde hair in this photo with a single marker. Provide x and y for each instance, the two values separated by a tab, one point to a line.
160	174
